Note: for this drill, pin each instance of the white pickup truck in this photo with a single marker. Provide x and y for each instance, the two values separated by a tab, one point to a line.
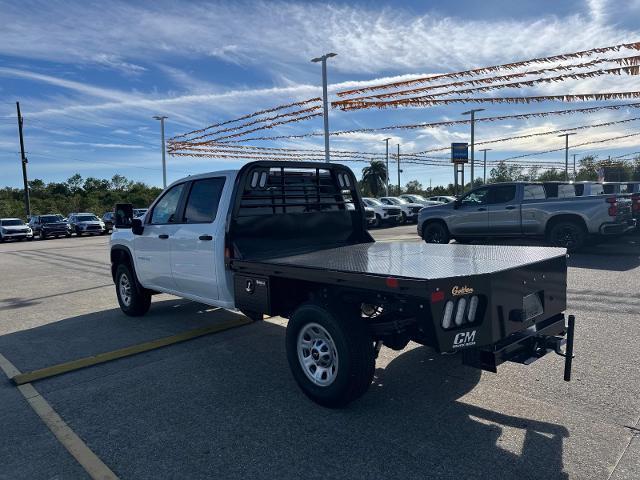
290	239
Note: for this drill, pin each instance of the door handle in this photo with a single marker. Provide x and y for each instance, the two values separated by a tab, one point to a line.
510	207
482	209
163	236
205	237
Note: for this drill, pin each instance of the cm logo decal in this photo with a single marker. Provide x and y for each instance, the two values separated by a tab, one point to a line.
464	339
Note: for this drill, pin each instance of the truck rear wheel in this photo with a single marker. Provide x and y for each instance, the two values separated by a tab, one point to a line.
133	299
331	355
569	235
435	232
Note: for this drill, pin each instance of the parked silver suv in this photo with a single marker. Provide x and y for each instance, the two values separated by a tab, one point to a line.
82	223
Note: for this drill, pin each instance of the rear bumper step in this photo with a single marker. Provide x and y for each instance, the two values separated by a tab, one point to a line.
527	346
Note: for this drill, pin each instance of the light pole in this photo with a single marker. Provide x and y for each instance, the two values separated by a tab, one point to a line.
325	107
399	192
574	167
386	141
164	161
473	124
566	154
484	175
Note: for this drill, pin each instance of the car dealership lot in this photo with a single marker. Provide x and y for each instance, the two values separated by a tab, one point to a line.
225	405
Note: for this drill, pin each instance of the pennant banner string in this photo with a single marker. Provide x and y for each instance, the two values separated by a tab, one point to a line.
483	70
448	123
250	115
425	101
624	61
351	104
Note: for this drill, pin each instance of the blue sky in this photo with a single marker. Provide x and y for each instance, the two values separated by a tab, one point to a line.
90	75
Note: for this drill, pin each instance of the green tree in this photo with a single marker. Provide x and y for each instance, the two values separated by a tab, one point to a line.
506	173
413	186
551	175
374	178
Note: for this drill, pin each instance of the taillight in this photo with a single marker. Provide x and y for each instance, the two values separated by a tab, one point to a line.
613	206
459	312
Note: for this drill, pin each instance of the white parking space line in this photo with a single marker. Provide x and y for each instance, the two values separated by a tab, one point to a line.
91	463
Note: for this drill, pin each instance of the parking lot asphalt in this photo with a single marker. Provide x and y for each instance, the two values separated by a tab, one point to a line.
226	406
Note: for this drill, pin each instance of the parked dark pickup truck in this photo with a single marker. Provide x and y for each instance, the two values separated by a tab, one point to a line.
289	239
526	210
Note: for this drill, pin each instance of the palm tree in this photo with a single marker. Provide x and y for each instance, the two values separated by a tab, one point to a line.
375	177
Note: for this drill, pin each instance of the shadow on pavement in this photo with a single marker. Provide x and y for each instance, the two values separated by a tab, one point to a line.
226	406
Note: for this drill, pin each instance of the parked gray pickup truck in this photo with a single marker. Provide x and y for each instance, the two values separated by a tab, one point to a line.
524	210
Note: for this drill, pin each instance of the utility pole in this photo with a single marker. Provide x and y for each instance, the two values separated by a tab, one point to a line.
574	167
386	189
325	103
566	154
164	161
484	175
473	124
399	170
23	157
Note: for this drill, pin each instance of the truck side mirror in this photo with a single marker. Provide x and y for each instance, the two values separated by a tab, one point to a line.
136	226
123	215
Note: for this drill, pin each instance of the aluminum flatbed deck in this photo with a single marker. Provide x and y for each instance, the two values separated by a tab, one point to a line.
418	260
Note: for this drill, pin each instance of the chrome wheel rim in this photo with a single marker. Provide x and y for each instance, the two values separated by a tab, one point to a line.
317	355
124	286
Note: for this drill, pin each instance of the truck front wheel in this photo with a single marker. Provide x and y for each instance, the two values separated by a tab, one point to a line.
331	354
133	299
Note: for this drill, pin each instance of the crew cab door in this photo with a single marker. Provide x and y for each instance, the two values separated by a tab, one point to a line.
504	210
153	247
472	215
195	245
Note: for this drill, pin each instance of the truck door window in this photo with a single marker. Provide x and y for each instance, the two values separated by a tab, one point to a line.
165	210
477	197
202	204
534	192
502	194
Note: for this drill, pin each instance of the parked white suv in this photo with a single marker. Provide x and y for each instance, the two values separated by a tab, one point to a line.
14	229
409	209
385	214
413	198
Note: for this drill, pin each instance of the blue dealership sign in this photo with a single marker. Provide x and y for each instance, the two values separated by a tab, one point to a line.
459	152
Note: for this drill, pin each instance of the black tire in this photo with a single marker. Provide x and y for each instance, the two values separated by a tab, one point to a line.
403	218
435	232
567	234
78	232
1	239
353	348
43	236
139	299
68	235
378	222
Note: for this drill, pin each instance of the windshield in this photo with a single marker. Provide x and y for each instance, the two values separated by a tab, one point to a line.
87	218
371	201
49	219
398	201
11	223
418	198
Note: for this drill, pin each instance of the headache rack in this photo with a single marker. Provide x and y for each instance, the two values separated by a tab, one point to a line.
295	207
